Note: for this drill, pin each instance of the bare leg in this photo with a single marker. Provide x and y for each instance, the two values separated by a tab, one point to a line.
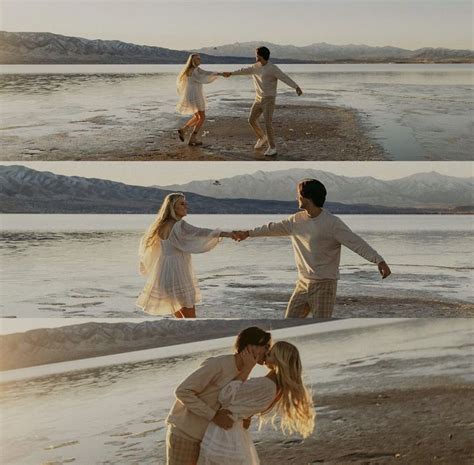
186	312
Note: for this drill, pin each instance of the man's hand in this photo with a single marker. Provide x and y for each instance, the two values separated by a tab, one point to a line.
240	235
222	419
226	74
299	91
246	422
384	269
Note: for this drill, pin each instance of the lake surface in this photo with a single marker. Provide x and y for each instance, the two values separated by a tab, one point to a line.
112	410
416	112
86	265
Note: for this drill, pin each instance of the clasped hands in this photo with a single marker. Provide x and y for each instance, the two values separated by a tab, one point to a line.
239	236
225	74
235	235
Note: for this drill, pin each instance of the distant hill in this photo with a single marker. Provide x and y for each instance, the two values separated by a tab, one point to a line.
421	190
323	52
49	48
23	190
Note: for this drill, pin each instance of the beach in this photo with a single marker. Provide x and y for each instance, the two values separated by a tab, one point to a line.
302	133
387	391
128	112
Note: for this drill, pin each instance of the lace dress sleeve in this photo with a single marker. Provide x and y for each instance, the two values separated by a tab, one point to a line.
248	398
191	239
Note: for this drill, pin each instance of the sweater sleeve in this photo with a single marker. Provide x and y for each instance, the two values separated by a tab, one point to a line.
282	228
285	78
187	392
244	71
344	235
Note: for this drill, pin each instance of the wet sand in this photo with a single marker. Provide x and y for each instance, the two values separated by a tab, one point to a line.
303	132
430	425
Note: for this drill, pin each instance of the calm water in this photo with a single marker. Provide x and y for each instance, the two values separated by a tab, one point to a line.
86	265
416	112
113	412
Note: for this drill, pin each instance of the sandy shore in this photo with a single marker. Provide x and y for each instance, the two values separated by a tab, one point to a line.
403	426
303	132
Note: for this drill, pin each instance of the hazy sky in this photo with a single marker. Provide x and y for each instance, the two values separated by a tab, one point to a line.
164	173
184	25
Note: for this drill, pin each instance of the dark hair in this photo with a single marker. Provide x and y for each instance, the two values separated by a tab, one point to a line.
251	336
263	52
314	190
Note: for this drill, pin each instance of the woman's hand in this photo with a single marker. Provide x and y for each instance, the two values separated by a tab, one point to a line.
248	359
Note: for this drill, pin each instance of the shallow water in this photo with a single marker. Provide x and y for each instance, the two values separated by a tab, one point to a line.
86	265
115	413
416	112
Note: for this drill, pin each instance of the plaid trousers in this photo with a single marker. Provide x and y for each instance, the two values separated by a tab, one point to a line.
316	297
181	451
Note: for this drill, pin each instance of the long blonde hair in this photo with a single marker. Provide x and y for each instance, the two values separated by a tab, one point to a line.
294	404
188	67
165	213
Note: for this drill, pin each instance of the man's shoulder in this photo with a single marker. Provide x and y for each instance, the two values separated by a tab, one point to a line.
219	360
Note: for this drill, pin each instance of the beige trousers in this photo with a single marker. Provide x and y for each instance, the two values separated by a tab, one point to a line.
181	451
267	107
317	297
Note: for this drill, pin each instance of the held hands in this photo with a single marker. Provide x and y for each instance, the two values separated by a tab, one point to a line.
223	419
225	74
240	235
384	270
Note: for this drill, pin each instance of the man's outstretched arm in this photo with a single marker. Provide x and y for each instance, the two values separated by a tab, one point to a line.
281	228
351	240
287	80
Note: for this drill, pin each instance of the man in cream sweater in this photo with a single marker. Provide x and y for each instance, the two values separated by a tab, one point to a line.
197	402
265	78
317	236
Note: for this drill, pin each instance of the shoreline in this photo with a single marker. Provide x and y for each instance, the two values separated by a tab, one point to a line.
303	132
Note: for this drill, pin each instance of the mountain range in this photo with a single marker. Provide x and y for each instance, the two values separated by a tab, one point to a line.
421	190
323	52
24	190
49	48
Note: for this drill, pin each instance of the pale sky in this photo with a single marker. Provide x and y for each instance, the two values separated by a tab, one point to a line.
179	24
163	173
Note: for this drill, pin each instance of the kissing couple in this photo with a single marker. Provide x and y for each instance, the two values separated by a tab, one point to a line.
208	423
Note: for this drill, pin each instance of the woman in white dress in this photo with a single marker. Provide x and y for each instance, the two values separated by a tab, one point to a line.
192	100
165	257
282	389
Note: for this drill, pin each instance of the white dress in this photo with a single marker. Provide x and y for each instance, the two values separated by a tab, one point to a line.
235	446
171	283
191	93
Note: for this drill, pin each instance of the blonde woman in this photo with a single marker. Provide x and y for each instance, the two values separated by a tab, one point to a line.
281	390
192	100
165	257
